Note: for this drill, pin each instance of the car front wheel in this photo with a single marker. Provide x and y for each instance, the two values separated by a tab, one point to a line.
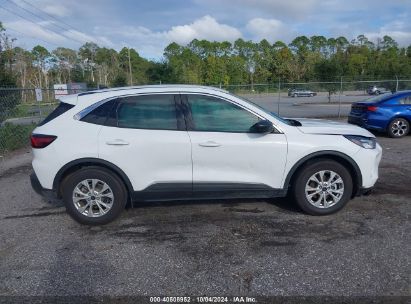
322	187
399	127
94	196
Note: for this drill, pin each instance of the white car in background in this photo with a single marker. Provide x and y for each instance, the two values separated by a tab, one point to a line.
103	149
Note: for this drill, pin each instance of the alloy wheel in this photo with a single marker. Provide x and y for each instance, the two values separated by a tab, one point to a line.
399	128
93	198
324	189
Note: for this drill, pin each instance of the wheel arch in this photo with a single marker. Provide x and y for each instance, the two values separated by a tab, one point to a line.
89	162
396	116
339	157
399	116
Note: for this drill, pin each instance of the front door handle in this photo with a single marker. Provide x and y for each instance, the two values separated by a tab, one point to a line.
117	142
210	143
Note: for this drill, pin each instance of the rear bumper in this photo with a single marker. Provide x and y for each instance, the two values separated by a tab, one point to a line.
359	121
364	122
35	184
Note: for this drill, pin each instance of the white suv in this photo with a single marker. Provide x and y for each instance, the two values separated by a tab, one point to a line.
103	149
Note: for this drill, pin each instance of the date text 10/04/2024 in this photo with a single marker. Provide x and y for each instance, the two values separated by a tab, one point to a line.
203	299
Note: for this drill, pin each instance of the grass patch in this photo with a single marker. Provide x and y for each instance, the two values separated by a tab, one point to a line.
13	137
26	110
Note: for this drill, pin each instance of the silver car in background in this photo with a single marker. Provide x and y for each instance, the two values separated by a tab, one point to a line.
374	90
301	93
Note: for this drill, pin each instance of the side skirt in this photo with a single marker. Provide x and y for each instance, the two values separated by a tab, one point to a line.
201	191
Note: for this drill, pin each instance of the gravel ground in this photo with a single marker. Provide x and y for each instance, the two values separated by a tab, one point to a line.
236	247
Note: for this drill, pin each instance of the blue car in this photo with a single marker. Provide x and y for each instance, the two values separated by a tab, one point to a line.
389	113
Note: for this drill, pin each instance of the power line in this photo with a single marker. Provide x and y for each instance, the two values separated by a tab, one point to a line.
24	34
51	16
34	14
25	18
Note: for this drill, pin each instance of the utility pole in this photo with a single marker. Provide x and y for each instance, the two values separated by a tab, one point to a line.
339	97
279	96
396	85
129	67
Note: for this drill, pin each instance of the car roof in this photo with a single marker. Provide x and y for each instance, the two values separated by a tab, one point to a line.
399	93
176	87
388	96
93	96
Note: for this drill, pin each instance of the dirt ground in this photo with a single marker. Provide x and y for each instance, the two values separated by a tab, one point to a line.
214	248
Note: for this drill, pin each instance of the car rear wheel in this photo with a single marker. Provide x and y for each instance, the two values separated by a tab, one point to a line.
94	196
322	187
399	127
295	95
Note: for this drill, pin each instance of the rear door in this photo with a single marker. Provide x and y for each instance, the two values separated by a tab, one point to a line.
145	136
226	156
405	103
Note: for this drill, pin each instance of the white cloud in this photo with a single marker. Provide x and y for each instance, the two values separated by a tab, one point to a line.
402	38
152	43
51	7
399	30
82	37
296	9
40	32
35	31
204	28
270	29
56	9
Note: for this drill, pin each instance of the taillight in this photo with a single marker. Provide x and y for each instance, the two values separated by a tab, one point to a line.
372	108
39	141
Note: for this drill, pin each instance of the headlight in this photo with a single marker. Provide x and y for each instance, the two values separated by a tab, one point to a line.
362	141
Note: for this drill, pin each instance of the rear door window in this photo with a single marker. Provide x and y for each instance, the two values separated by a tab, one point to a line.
406	100
154	112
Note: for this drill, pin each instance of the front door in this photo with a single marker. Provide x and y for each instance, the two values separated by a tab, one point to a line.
226	155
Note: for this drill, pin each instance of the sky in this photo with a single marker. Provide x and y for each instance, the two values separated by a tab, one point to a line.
150	25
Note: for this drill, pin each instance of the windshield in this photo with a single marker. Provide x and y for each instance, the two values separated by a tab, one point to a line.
264	110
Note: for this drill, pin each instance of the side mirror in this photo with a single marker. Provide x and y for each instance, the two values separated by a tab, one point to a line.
262	127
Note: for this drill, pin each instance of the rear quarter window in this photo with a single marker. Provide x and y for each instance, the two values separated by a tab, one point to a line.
100	114
61	108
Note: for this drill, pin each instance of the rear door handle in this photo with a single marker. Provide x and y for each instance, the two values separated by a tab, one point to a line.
210	143
117	142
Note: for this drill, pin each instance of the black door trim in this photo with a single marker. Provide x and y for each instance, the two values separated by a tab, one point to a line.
186	191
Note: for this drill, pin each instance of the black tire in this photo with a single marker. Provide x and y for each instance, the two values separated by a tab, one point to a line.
295	95
377	93
119	193
393	128
308	170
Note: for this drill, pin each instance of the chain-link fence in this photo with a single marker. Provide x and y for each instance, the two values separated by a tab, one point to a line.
331	99
22	109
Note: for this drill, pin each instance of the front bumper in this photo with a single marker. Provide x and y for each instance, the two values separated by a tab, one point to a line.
364	191
368	161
